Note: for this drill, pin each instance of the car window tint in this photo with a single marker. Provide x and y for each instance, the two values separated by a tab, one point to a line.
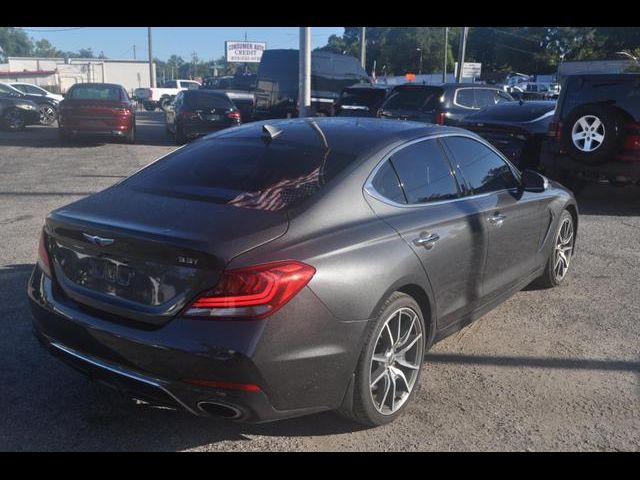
95	92
244	173
170	84
197	99
387	184
485	97
420	98
425	173
502	97
482	168
465	97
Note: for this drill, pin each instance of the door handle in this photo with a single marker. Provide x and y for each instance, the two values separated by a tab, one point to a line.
426	240
497	219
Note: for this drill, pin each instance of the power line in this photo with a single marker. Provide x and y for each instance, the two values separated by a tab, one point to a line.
513	34
48	31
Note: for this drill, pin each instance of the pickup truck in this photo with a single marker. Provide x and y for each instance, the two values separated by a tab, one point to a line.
152	98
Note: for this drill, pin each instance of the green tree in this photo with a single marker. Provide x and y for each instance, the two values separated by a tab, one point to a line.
15	42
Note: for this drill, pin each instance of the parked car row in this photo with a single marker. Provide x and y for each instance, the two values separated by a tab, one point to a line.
17	117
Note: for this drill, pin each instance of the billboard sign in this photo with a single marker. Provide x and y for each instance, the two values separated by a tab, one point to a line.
244	52
471	70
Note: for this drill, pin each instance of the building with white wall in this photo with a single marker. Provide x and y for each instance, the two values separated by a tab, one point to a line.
60	73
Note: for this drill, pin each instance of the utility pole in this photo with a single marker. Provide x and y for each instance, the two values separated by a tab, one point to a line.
461	52
304	73
363	47
152	77
446	50
134	52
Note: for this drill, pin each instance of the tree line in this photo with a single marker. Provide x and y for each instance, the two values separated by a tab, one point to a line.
398	50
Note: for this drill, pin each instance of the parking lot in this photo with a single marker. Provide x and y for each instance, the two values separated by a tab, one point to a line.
547	370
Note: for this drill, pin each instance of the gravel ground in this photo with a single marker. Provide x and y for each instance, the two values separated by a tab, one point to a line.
546	370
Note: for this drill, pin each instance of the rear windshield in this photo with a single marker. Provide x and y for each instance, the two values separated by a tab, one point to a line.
242	172
423	98
364	98
95	92
200	99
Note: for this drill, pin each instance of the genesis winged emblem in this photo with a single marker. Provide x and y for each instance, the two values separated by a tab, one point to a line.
100	241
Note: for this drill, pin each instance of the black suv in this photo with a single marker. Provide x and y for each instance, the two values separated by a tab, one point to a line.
446	104
595	132
361	100
277	83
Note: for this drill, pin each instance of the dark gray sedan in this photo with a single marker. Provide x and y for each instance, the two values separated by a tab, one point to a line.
284	268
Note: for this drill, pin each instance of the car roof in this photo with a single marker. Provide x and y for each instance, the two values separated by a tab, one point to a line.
96	84
352	135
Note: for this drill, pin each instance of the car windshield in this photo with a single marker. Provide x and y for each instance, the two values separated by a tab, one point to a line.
9	90
421	98
95	92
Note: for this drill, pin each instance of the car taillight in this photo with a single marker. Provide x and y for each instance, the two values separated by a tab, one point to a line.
234	115
632	140
43	255
440	118
254	292
555	131
244	387
188	114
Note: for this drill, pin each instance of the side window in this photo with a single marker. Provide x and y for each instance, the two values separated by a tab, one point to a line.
502	97
465	97
425	174
485	97
387	184
481	167
170	84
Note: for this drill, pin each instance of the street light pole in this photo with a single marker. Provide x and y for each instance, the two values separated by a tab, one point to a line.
420	66
152	77
446	51
461	52
304	85
363	48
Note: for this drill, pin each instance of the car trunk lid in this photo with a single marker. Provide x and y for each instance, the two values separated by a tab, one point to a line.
142	257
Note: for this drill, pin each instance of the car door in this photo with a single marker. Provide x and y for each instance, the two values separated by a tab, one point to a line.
512	218
418	195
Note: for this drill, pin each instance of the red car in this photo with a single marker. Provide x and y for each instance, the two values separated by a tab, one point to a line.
97	109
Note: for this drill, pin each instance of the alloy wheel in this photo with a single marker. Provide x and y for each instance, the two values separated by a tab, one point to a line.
588	133
563	249
396	360
47	114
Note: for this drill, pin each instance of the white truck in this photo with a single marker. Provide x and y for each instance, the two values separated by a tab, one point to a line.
160	97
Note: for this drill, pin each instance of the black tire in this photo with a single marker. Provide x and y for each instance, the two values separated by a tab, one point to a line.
549	278
164	103
13	120
612	131
130	137
48	113
149	107
179	135
361	407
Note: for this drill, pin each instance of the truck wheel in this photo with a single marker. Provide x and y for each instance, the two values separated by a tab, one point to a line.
593	133
130	137
149	107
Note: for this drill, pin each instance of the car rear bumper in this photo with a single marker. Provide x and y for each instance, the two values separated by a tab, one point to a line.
198	129
303	372
552	160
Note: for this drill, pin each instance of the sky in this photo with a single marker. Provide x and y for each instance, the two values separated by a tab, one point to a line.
207	42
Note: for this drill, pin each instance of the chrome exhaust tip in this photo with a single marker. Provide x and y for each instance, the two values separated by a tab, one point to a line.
221	410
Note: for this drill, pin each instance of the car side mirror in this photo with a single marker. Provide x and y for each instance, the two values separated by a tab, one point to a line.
532	181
